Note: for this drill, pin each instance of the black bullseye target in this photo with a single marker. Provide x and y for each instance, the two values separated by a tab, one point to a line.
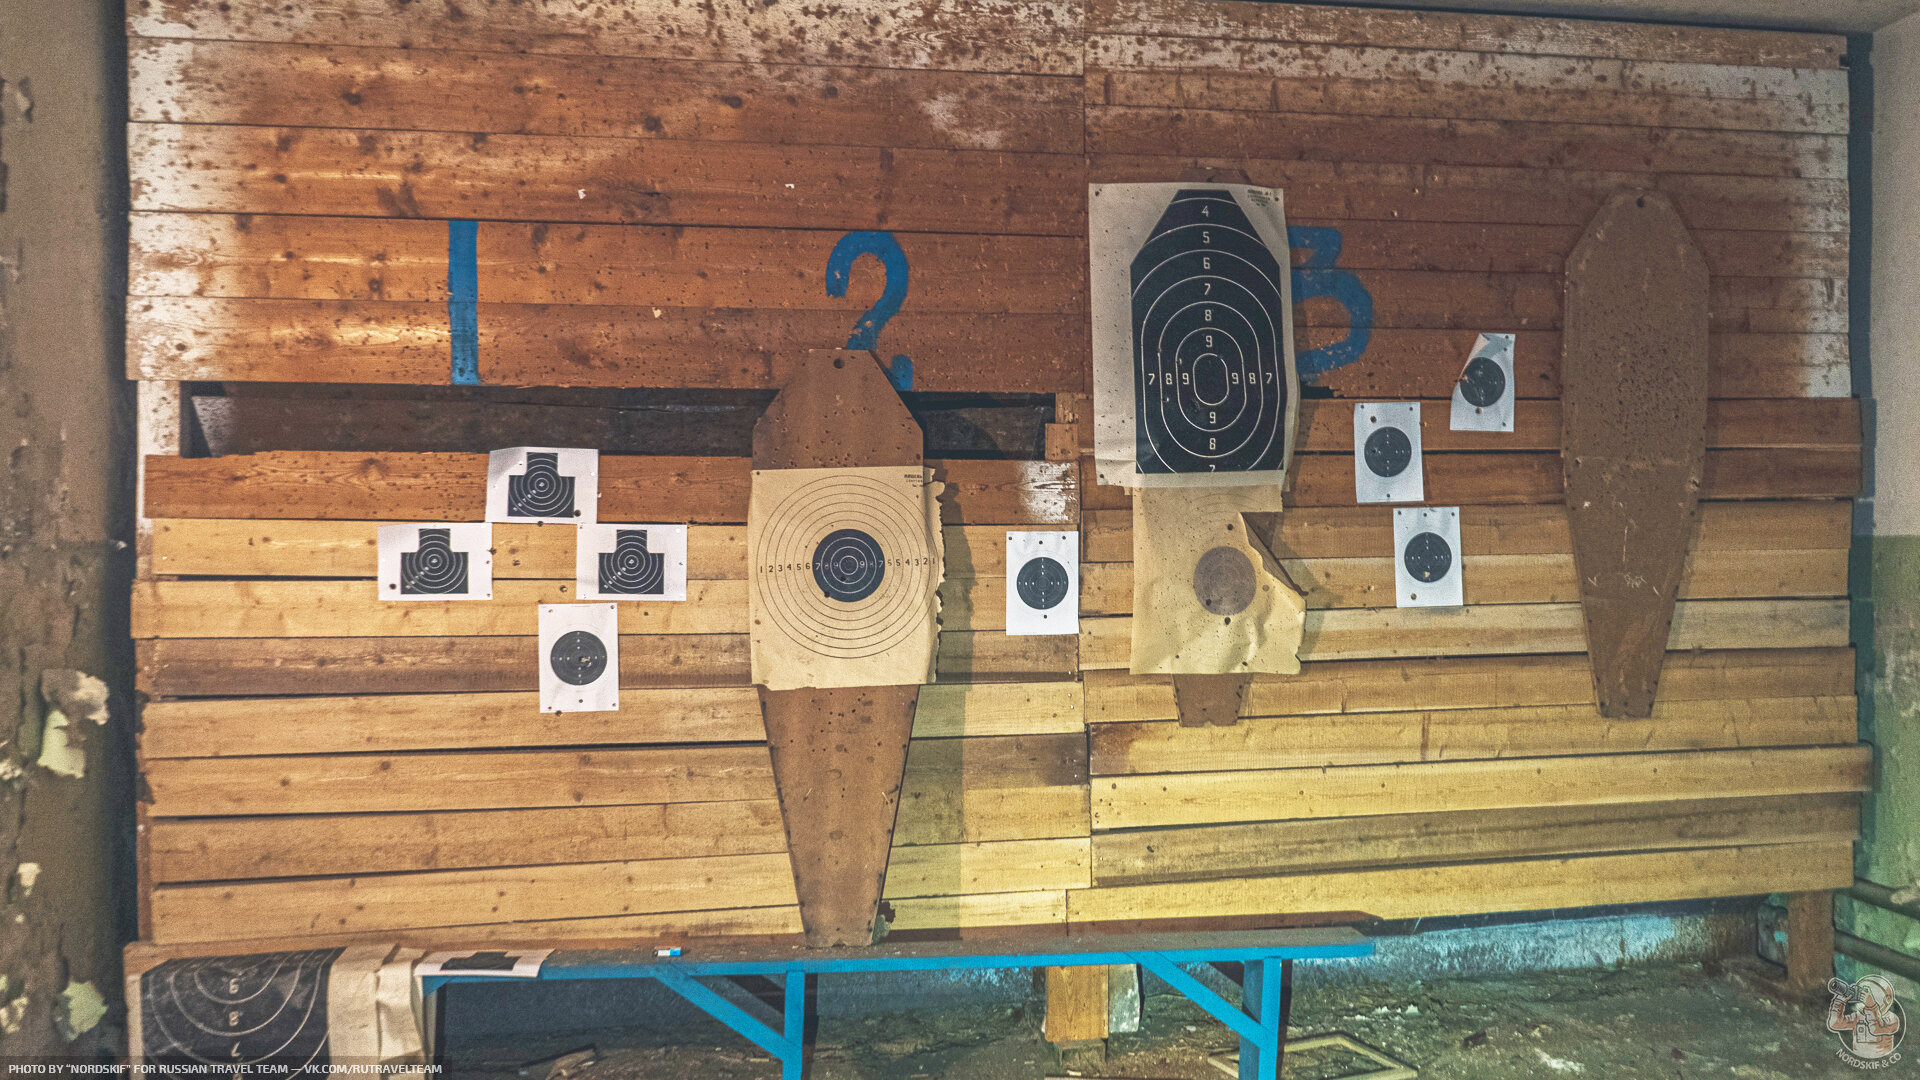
1389	451
578	658
435	569
630	568
1428	557
540	492
1483	383
1209	326
233	1011
1042	583
845	567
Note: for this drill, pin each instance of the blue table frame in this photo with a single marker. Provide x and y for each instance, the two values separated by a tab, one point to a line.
1266	955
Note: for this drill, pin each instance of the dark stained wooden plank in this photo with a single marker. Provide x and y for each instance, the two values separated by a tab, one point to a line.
1634	406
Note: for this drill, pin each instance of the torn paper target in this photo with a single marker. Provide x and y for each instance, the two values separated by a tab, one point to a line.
1426	557
1043	583
579	658
1483	397
438	561
844	569
630	562
491	963
1208	597
1193	378
1386	453
543	483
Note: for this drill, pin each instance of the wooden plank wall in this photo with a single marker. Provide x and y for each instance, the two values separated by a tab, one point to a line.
658	189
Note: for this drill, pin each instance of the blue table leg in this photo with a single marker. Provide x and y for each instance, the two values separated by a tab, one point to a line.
793	1062
1262	987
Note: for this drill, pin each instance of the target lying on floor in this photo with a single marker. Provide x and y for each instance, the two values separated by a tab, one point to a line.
1043	583
579	658
543	483
1193	372
441	561
631	562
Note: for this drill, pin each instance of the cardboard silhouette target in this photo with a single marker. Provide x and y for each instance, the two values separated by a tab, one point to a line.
1634	410
841	581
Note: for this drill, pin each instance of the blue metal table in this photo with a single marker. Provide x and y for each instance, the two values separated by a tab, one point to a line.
1267	956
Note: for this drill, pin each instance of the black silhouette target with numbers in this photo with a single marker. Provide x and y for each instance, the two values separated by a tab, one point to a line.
268	1008
846	568
1209	326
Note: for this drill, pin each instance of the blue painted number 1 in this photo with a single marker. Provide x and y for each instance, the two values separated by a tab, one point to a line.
866	332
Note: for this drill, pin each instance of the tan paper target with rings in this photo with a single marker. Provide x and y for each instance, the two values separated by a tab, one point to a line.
845	569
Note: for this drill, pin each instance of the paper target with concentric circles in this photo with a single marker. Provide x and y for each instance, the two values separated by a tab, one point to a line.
845	576
1198	297
254	1010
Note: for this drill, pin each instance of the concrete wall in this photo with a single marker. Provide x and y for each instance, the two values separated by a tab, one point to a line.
65	504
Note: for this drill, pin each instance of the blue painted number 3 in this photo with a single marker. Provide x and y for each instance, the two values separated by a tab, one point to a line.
1317	278
866	332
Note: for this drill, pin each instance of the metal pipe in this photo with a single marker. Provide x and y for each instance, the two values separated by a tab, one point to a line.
1879	956
1877	895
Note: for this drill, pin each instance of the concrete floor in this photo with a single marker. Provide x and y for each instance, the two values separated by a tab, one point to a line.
1672	1022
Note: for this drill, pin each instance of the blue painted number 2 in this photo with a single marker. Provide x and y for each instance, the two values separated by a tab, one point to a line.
1317	278
866	332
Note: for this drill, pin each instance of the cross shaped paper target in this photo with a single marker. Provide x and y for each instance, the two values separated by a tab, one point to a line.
1043	583
1386	453
631	562
1426	557
579	658
542	483
1194	379
1483	398
444	561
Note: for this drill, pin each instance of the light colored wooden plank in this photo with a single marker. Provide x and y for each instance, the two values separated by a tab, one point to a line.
973	709
296	609
1164	746
385	723
477	780
1475	888
1432	685
979	35
994	788
1131	802
1008	866
1203	852
980	911
1501	629
459	897
222	82
221	849
1077	1006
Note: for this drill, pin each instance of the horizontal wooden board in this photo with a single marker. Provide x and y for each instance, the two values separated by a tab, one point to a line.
237	848
1500	629
238	910
1812	424
974	869
362	173
982	912
977	35
468	780
240	727
316	608
975	709
1136	802
995	788
1421	685
223	82
224	667
1475	888
452	487
1257	742
1202	852
1366	532
1426	29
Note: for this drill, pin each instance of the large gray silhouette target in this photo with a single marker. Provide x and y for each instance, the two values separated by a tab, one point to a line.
1209	338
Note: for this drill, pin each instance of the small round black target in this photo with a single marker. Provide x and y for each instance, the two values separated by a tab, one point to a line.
1223	581
578	658
848	565
1428	557
1388	452
1483	382
1042	583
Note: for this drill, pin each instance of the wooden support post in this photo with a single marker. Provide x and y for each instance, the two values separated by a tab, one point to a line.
1809	942
1077	1010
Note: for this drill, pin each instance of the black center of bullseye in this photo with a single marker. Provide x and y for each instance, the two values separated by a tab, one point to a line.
1042	583
1210	380
1388	452
848	565
1428	557
578	658
1483	382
